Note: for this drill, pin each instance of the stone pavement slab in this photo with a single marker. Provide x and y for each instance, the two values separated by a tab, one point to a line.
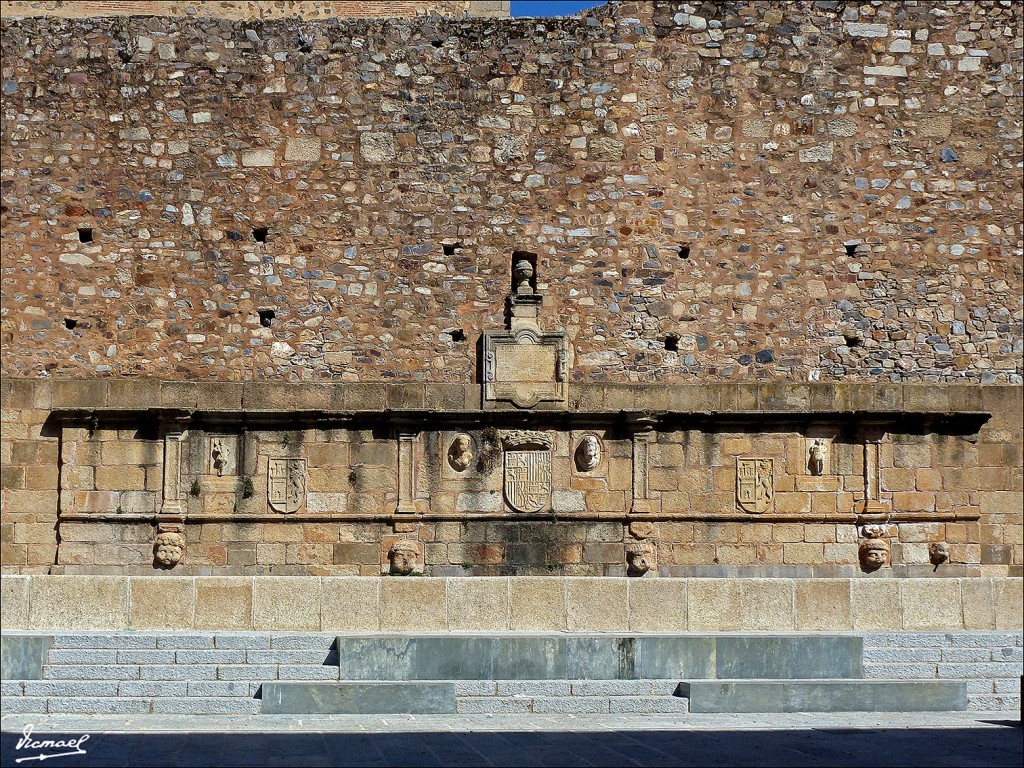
790	739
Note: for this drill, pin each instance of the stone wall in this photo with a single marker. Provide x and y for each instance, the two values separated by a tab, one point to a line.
93	469
717	190
495	604
246	9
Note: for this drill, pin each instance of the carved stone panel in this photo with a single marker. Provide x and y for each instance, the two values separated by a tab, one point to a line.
525	367
286	484
222	459
527	471
755	484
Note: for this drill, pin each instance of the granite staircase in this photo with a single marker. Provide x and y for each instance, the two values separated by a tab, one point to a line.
288	673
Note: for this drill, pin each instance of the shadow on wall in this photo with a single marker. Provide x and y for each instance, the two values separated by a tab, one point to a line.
840	746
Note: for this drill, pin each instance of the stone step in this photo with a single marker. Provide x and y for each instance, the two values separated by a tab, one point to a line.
824	695
353	698
622	657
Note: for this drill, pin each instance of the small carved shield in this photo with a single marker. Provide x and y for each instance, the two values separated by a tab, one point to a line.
527	471
286	484
755	485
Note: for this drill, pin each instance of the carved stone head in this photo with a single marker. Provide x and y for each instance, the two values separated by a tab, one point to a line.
874	553
641	556
404	555
168	549
460	453
588	453
938	553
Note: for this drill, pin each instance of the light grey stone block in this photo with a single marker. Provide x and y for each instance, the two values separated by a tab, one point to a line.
535	657
71	688
491	706
991	669
954	655
980	686
89	672
680	656
475	688
241	641
307	672
303	642
571	705
993	703
24	705
145	657
212	656
533	688
234	705
901	655
262	672
115	640
824	695
787	656
358	698
287	657
22	656
648	705
1009	685
602	657
177	672
98	706
984	639
12	688
152	688
611	687
217	688
184	641
81	656
900	671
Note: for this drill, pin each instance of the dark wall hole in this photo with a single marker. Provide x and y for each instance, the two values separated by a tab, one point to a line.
85	234
449	249
458	334
672	343
851	249
70	323
684	251
259	234
266	317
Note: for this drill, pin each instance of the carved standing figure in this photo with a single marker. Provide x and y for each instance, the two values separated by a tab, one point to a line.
588	454
816	457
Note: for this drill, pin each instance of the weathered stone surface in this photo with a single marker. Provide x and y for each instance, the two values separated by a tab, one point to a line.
68	602
162	603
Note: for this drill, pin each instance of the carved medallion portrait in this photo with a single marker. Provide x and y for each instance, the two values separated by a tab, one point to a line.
527	470
168	549
588	453
755	485
286	484
460	453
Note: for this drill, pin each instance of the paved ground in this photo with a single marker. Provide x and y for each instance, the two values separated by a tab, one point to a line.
920	739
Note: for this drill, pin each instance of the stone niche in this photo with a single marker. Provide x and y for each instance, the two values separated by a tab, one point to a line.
589	492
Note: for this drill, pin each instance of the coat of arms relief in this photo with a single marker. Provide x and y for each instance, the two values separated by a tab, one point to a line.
527	458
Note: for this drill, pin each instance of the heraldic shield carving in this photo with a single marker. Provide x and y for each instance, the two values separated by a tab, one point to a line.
527	470
286	484
755	491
